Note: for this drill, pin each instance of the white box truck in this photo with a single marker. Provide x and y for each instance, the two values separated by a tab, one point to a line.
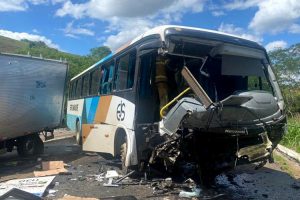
31	101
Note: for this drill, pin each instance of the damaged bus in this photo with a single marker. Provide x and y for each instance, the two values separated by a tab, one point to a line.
180	97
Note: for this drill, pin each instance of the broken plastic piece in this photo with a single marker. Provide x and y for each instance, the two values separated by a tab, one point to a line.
195	193
111	174
110	183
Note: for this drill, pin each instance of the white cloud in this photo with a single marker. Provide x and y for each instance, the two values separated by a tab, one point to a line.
20	5
32	37
35	31
128	18
58	1
218	13
72	31
104	9
238	31
279	44
38	2
294	28
16	5
275	16
241	4
127	31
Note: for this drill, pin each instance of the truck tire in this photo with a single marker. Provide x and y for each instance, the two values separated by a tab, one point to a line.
30	145
78	134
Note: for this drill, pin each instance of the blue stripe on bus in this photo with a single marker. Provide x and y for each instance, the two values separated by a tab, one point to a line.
91	105
103	59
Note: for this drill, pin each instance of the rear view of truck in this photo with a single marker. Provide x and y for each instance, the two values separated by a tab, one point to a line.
31	101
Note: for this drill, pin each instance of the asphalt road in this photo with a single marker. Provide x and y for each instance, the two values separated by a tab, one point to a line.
269	182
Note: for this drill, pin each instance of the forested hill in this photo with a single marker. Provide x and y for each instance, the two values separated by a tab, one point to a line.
77	63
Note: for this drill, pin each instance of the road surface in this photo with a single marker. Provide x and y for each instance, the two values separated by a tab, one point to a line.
280	180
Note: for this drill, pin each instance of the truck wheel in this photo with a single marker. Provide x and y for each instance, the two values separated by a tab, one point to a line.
30	145
78	135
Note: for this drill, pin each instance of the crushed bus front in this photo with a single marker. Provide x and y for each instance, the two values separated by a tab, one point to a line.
227	110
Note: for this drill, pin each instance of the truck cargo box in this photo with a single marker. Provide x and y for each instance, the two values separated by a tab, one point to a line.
31	94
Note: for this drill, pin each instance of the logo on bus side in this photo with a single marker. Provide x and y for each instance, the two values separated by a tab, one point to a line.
120	111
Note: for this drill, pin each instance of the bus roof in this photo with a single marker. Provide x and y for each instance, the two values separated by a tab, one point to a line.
160	30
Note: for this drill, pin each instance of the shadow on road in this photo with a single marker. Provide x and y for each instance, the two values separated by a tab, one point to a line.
14	166
268	182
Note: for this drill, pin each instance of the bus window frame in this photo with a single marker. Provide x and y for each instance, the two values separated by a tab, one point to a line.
88	83
97	68
117	59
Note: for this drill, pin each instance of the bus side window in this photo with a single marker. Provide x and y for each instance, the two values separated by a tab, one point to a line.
131	70
78	88
107	79
95	78
85	85
125	72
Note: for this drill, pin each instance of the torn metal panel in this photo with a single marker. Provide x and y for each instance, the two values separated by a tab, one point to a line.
196	87
172	121
256	152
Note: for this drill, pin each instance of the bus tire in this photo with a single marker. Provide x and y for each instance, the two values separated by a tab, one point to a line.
78	133
30	145
121	149
123	153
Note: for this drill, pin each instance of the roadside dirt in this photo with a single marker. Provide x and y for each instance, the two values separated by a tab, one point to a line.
280	180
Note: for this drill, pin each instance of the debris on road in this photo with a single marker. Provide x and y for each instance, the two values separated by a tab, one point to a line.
125	176
194	193
111	174
19	194
69	197
52	168
36	186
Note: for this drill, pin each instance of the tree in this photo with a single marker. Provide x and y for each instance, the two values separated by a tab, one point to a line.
286	63
98	53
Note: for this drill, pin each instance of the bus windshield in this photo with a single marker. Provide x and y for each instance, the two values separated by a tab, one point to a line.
222	70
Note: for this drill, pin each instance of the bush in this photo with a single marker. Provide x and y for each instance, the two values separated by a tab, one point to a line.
292	138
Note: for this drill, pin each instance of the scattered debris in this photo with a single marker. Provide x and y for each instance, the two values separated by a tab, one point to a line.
19	194
111	174
69	197
52	168
110	183
36	186
194	193
127	175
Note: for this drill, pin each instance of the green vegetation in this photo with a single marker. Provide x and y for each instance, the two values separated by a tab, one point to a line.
286	63
76	63
292	138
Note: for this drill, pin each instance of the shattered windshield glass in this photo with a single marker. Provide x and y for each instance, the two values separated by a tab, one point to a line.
222	70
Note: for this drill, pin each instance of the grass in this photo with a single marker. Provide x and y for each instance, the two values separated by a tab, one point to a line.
282	162
292	138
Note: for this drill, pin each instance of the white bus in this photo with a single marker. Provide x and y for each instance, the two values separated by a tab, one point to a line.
177	95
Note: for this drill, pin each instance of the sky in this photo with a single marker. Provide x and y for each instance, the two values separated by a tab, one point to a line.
76	26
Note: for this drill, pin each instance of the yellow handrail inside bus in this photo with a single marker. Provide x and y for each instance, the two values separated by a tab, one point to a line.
168	104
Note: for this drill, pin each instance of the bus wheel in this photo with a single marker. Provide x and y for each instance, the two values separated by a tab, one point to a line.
78	135
123	153
30	145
